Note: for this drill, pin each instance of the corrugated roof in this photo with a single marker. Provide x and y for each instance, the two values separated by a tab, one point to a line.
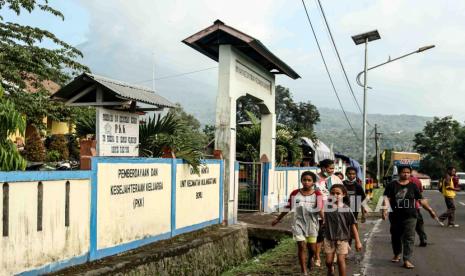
132	92
115	89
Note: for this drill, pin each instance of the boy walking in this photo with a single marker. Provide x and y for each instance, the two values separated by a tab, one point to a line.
448	191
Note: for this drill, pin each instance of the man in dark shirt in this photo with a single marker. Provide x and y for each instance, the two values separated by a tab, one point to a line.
401	196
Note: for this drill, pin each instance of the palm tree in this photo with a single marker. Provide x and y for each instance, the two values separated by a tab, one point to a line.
248	142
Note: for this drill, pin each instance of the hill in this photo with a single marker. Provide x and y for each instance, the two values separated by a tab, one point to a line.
397	131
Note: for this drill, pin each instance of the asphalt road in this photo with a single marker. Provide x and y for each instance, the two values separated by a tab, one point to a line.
444	255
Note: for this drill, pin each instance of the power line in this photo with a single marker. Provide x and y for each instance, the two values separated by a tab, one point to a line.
337	54
327	70
178	75
339	57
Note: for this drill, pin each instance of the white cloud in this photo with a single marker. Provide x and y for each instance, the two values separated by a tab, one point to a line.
124	34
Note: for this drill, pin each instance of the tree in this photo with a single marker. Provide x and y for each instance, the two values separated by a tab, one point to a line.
248	142
176	130
24	62
437	143
11	123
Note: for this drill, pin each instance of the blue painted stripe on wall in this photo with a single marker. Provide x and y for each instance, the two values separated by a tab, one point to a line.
135	160
195	227
26	176
56	266
93	211
173	196
130	245
265	184
221	191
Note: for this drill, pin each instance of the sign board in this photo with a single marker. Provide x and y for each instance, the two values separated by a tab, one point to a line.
117	133
197	195
134	202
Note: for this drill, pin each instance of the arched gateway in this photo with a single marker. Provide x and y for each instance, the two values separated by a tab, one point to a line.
246	68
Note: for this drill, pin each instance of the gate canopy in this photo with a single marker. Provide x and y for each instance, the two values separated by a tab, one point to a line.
207	42
83	91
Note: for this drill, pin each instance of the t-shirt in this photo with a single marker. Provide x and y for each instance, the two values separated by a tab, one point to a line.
306	212
323	184
355	195
417	182
402	199
338	223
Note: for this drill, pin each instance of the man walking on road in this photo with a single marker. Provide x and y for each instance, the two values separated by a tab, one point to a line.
448	191
401	195
420	226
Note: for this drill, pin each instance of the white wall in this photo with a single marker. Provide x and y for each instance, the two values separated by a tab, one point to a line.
25	248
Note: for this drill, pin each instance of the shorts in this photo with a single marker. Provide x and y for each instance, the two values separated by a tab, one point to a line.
321	232
300	238
338	247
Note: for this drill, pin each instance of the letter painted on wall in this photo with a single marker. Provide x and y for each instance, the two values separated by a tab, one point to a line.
134	201
197	196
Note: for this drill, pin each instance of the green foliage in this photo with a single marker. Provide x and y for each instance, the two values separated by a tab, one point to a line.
53	156
23	62
248	142
300	117
293	120
85	122
34	149
438	145
177	130
59	143
11	122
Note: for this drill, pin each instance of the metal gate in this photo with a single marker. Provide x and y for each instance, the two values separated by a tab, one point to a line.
250	183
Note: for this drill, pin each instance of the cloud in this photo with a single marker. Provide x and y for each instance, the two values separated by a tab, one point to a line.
126	36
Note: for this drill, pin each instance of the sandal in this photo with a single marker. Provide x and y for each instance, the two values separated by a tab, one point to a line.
408	265
396	259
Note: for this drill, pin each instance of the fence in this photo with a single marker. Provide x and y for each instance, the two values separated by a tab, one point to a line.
283	182
51	220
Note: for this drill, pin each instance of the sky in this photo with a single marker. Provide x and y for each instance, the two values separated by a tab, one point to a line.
126	40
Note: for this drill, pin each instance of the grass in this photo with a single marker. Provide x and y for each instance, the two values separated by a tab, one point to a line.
281	260
377	194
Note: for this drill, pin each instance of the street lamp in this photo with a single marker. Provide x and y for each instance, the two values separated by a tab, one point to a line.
365	38
359	39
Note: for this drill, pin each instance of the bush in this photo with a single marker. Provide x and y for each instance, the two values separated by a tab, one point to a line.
34	150
59	143
53	156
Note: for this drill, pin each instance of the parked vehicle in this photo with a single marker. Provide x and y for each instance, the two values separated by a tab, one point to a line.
461	176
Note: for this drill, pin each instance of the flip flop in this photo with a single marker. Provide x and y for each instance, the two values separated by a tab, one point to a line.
409	266
395	259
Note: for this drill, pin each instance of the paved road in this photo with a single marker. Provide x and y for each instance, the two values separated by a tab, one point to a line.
444	255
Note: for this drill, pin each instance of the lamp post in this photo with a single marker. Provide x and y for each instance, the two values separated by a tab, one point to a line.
365	38
359	39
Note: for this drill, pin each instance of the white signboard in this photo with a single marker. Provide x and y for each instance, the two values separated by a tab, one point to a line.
197	195
134	202
117	133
